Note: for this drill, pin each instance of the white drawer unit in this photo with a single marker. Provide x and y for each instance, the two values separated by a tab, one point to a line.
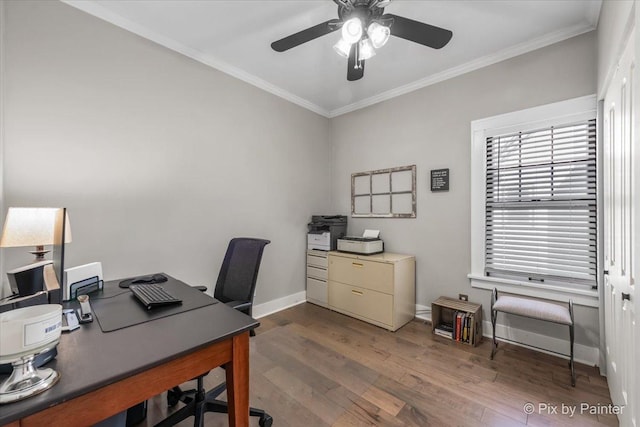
317	276
379	289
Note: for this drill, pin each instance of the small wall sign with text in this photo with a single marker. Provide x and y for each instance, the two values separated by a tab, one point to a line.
440	179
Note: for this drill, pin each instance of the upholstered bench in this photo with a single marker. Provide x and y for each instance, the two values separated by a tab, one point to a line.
533	308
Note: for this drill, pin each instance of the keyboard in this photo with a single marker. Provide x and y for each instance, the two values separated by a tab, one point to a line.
153	296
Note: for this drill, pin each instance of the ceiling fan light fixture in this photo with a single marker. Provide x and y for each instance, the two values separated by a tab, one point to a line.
342	48
365	49
366	27
352	30
379	34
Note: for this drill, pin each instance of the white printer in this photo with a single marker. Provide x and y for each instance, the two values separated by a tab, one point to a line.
369	244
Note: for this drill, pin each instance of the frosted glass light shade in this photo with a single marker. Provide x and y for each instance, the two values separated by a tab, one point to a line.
352	30
365	50
379	34
31	227
342	47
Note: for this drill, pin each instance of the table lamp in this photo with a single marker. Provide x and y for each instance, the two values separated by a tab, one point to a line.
32	227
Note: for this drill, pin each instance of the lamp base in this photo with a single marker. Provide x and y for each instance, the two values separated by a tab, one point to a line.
26	381
40	252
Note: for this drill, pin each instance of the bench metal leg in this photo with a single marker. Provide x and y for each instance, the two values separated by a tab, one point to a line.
494	315
571	337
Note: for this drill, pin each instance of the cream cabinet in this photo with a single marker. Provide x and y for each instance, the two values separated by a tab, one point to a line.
317	263
379	289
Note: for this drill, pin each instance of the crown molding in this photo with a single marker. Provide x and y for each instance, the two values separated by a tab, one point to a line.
593	13
522	48
476	64
100	12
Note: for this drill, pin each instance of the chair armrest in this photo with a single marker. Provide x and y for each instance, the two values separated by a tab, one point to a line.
243	306
201	288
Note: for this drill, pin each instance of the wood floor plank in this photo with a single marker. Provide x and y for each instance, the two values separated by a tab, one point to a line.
484	394
497	419
361	411
346	372
311	367
383	400
434	401
303	393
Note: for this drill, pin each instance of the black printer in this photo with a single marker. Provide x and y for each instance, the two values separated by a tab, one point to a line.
325	230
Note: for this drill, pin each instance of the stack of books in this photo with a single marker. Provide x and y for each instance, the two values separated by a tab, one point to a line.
460	330
463	330
444	330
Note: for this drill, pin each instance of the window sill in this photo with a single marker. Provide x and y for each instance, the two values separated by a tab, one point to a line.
587	298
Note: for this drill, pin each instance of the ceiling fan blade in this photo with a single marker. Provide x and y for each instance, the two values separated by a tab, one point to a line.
419	32
344	3
306	35
379	4
355	70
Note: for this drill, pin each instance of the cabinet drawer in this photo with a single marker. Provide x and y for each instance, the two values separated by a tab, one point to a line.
377	276
316	273
317	290
361	302
317	261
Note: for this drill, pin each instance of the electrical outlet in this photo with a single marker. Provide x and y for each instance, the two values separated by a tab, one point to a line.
463	297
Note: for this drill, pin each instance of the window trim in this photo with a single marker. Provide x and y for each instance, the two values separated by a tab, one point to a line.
572	110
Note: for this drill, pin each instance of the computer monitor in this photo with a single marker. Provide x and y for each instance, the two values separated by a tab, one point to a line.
55	295
27	280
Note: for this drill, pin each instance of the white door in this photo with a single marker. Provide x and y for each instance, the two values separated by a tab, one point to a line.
618	150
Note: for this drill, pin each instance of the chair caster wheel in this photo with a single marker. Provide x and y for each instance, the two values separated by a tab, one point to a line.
265	421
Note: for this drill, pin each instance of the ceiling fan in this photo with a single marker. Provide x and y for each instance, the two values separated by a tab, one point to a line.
365	27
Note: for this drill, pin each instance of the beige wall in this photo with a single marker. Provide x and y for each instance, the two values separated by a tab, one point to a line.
431	128
159	159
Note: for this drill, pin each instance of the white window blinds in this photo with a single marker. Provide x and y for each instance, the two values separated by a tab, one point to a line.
541	205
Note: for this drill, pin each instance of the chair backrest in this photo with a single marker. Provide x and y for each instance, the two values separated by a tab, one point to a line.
239	271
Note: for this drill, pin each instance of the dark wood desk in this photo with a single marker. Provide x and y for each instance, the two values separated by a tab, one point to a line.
103	374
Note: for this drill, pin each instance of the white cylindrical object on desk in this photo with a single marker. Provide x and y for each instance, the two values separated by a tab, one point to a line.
28	330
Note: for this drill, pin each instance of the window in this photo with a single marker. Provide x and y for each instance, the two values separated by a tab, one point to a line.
534	218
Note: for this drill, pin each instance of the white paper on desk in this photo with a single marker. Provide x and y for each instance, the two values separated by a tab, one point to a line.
371	234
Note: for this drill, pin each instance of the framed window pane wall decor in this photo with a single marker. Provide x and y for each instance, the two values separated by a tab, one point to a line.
384	193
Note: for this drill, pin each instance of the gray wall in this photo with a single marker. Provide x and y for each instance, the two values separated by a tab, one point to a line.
431	128
159	159
615	18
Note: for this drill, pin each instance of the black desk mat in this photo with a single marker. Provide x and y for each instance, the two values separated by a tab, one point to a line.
117	308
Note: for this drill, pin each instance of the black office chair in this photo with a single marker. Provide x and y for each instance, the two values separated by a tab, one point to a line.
235	287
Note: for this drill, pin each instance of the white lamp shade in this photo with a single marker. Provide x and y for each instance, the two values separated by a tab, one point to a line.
365	50
352	30
342	47
379	34
31	227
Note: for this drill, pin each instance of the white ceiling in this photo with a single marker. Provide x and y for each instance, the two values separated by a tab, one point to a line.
235	36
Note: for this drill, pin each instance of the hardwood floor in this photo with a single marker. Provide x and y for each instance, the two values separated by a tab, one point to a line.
313	367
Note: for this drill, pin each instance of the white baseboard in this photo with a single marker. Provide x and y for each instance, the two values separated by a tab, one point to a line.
423	312
273	306
582	353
